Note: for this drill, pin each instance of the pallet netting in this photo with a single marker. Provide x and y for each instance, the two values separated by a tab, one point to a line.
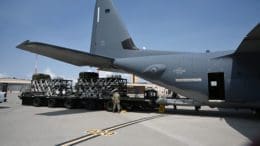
100	88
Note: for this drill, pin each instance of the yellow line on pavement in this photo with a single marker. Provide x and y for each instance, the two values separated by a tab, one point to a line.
105	132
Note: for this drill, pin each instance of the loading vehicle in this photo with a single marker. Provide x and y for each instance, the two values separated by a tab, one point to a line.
90	92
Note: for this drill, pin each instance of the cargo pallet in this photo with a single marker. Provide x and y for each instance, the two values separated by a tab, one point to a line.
90	92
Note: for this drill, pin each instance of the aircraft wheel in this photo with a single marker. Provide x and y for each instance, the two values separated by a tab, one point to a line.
37	102
52	102
197	108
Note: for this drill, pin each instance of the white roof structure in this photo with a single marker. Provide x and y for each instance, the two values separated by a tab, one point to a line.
14	81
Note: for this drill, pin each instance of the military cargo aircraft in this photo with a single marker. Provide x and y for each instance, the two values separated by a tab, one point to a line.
217	79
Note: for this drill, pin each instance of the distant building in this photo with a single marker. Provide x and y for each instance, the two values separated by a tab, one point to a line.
13	85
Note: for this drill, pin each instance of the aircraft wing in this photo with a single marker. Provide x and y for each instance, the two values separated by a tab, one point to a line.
74	57
251	43
112	69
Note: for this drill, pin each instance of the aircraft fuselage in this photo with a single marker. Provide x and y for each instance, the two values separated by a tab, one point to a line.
201	76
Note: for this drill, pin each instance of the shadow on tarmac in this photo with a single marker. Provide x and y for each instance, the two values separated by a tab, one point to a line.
244	122
221	114
4	107
65	112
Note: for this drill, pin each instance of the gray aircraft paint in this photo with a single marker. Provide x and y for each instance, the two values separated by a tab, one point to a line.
112	48
192	66
108	41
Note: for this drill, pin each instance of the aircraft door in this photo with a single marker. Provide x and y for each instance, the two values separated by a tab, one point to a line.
216	86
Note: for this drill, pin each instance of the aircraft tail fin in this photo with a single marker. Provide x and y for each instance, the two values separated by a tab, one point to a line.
251	43
110	37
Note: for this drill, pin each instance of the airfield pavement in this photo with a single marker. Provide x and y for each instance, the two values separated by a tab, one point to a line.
43	126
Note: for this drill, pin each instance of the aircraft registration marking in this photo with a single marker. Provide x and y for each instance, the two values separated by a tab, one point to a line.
185	80
179	70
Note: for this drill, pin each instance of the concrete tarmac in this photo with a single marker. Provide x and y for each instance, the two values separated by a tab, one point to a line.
43	126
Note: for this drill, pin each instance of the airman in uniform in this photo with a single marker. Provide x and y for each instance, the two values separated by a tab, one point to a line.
116	101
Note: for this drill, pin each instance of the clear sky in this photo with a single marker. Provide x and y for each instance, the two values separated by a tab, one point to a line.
172	25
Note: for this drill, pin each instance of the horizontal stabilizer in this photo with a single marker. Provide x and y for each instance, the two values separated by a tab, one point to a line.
74	57
251	43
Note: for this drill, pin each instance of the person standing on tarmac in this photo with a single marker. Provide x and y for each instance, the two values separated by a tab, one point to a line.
116	100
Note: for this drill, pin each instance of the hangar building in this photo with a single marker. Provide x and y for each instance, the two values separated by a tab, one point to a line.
13	85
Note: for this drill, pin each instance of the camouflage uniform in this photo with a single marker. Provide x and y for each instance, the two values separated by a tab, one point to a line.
116	102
